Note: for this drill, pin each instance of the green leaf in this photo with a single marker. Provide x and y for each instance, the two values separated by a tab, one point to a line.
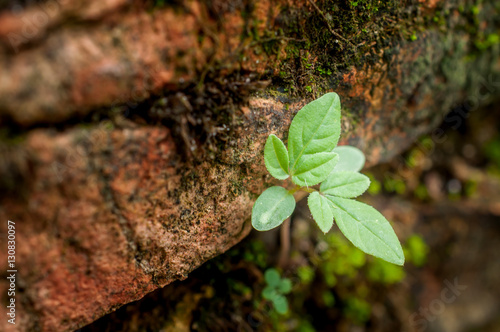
276	157
285	286
271	208
315	129
269	293
321	211
351	159
345	184
272	277
367	229
280	304
315	168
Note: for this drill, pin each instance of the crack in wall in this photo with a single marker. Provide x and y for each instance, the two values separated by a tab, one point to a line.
115	209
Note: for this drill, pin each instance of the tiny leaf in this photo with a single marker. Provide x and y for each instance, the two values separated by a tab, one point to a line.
315	168
315	129
351	159
276	157
367	229
345	184
268	293
321	211
285	286
272	277
280	304
271	208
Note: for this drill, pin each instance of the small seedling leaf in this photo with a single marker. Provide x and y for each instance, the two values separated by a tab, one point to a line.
315	168
280	304
272	277
276	157
345	184
285	286
321	211
367	229
315	129
351	159
271	208
268	293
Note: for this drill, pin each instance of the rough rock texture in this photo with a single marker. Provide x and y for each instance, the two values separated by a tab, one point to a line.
132	135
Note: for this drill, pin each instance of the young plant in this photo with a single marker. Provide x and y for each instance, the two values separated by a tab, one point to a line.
276	290
312	158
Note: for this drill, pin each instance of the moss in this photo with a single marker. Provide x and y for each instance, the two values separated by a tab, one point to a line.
323	43
237	188
481	24
488	41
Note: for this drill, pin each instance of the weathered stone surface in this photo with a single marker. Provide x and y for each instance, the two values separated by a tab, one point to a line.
131	53
113	224
107	213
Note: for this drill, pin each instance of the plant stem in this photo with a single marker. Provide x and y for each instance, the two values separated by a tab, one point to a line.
285	243
307	189
298	193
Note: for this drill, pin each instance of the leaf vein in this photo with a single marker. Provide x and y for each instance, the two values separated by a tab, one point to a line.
312	136
360	224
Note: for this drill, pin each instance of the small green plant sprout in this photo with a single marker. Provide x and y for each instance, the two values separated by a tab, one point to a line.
312	158
276	290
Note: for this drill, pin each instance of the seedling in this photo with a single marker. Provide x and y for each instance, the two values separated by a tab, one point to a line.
276	290
312	158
